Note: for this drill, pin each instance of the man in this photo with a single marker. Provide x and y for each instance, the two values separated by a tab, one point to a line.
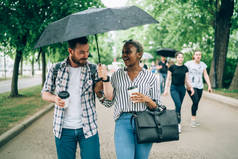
163	69
76	123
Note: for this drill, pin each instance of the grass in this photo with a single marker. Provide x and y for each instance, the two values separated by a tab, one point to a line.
14	110
225	92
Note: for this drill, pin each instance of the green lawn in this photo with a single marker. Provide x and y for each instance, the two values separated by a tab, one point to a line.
13	110
224	92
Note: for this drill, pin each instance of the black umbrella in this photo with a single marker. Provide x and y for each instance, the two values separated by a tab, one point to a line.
92	22
166	52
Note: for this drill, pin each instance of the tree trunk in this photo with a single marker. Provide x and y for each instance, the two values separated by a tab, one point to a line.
43	67
5	67
39	65
21	68
32	66
14	86
234	83
222	34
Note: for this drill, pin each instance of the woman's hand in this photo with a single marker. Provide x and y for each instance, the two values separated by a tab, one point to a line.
139	98
165	93
102	71
209	89
192	91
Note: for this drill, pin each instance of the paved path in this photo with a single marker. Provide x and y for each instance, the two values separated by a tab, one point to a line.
5	86
216	138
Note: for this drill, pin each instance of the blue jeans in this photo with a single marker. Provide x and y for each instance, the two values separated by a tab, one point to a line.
66	146
178	93
162	78
126	142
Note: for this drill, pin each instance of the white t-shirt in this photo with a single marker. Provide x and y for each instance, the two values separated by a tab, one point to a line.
196	73
73	114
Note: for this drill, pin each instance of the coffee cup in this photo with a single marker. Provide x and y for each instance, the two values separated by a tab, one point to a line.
65	96
133	89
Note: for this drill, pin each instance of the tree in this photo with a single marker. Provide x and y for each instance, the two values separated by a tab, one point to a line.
234	83
224	13
22	21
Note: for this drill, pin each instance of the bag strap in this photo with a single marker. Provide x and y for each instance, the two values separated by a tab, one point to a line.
93	69
158	125
55	71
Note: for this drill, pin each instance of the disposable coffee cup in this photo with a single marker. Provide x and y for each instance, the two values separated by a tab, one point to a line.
133	89
65	96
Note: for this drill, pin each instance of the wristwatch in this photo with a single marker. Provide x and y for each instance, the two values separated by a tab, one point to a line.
107	80
101	98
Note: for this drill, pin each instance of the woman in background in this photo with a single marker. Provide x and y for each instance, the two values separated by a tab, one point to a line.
197	69
179	74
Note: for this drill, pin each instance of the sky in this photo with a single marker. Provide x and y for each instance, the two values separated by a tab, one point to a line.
114	3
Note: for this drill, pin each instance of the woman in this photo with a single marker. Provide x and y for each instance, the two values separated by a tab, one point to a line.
147	97
179	74
197	69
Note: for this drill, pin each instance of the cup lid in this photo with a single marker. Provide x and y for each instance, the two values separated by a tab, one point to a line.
133	87
64	94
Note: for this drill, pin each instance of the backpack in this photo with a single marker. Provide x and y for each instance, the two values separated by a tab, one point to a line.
93	69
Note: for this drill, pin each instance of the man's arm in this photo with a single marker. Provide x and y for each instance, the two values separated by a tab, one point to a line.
49	97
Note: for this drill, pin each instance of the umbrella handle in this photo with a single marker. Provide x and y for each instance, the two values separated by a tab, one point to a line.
96	38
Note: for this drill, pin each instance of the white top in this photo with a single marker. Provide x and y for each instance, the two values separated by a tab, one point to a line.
73	113
196	73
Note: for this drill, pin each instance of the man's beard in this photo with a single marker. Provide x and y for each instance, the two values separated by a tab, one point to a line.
77	61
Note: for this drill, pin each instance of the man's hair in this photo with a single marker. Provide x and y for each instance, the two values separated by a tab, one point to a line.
139	47
72	43
177	53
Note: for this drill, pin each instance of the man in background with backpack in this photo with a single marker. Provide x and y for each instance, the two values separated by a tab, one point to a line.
75	123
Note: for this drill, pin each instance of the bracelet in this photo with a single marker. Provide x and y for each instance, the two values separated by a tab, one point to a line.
107	80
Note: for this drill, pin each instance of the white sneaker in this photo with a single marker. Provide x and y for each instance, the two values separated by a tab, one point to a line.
194	123
179	128
197	123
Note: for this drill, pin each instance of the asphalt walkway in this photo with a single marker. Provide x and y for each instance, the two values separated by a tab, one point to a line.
216	138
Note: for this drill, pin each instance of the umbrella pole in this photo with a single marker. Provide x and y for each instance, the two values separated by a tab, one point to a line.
99	61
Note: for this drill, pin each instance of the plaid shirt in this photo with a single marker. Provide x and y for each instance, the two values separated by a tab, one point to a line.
89	116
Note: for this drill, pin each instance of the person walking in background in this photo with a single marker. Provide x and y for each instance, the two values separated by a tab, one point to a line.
197	69
146	97
163	69
179	74
153	68
75	123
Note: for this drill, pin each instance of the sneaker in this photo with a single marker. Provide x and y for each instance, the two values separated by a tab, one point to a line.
197	123
179	128
193	124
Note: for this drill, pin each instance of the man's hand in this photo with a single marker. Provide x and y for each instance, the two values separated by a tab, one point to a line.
60	102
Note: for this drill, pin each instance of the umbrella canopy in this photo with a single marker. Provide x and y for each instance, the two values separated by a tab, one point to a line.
93	21
166	52
147	56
